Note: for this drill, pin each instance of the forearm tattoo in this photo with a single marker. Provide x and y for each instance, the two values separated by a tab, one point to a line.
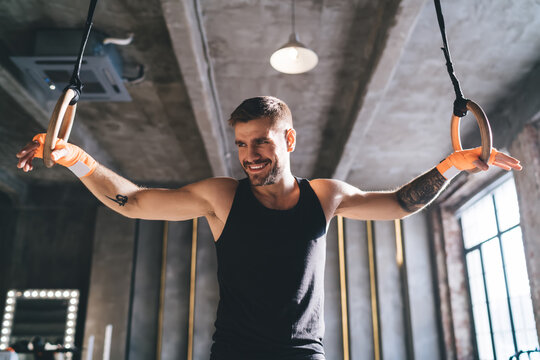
421	191
120	199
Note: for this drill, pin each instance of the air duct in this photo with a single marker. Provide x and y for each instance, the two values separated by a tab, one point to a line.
51	65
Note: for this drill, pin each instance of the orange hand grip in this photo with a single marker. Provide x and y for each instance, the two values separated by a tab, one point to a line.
59	125
485	131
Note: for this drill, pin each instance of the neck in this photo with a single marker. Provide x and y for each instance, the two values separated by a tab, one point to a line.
283	194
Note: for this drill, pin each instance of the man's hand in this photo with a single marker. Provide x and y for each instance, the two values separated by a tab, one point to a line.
470	159
68	155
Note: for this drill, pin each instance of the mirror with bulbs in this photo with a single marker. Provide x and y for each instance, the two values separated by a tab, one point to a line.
40	321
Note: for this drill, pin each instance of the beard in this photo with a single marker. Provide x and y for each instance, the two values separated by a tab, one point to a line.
270	178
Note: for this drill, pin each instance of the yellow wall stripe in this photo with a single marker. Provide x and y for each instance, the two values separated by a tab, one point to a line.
162	288
192	290
343	286
373	289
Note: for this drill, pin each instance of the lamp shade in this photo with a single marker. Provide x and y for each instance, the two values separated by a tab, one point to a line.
294	57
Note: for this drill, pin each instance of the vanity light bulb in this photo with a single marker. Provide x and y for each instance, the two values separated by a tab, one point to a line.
58	293
27	293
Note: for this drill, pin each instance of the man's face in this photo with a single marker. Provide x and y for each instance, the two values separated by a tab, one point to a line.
262	151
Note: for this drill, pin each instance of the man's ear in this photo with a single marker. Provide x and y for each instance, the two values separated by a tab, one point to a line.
290	137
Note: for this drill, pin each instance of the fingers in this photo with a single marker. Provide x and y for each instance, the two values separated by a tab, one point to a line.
503	157
502	166
507	161
481	165
30	147
25	161
57	154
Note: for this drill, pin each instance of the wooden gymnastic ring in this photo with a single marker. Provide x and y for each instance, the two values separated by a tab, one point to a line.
485	132
59	125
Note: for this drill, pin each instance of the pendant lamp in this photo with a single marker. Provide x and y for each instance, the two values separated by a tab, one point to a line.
293	57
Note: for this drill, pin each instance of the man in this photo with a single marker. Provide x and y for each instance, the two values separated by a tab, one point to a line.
268	229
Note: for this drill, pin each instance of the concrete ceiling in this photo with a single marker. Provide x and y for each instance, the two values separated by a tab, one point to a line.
375	111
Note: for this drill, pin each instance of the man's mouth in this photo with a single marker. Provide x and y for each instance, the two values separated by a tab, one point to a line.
257	166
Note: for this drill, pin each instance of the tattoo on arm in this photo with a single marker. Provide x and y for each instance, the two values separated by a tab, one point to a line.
120	199
421	191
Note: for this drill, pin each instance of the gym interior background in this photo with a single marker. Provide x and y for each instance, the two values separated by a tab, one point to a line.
374	112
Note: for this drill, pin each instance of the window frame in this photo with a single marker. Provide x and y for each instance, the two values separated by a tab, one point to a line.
489	190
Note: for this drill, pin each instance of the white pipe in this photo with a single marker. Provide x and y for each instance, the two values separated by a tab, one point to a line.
107	344
118	41
90	349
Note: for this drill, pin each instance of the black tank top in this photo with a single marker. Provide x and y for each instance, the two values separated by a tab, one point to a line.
271	280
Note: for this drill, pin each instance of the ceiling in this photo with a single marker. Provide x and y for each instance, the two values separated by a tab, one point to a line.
375	111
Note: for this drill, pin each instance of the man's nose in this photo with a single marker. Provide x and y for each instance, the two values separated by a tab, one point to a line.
252	154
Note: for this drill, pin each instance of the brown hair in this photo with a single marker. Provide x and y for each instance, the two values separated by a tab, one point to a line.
262	107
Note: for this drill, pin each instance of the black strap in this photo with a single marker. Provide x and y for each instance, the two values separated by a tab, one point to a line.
460	104
75	82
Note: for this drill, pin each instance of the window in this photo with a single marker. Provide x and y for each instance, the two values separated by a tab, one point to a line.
498	281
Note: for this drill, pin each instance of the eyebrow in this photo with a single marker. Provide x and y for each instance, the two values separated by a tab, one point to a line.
256	139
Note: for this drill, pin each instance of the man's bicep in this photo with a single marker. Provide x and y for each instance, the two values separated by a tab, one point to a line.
170	204
374	205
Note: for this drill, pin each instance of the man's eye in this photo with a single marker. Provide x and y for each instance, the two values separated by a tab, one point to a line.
240	144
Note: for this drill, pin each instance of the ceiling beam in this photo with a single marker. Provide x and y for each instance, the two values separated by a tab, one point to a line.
186	30
80	134
382	73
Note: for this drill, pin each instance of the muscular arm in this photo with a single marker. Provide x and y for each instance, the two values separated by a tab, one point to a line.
210	198
421	191
128	199
340	198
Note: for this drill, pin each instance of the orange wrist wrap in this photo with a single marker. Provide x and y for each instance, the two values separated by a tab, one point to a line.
462	160
74	158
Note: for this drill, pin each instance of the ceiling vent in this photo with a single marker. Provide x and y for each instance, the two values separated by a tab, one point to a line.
55	54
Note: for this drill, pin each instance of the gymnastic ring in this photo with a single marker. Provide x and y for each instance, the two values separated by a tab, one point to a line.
485	132
59	125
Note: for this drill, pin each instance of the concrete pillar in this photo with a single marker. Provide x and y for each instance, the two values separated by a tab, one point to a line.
206	292
458	295
421	290
176	306
526	147
333	338
358	290
110	282
389	291
143	330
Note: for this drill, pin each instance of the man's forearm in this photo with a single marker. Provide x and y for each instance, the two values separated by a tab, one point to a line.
421	191
112	189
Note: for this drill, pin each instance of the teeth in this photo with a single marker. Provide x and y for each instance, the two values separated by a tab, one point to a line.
257	167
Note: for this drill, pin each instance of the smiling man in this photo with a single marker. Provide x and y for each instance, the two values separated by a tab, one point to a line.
269	228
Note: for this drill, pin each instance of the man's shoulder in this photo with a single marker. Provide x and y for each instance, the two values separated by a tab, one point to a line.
220	185
326	184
